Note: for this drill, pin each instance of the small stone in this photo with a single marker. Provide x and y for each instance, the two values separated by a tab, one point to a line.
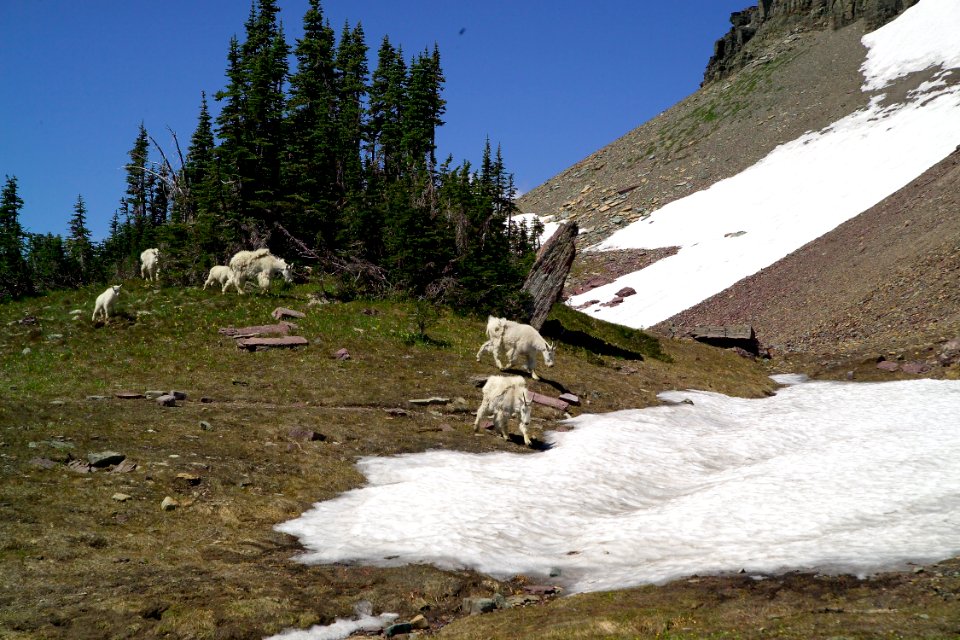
43	463
188	479
167	401
397	629
127	466
283	312
476	606
419	622
79	466
129	395
105	458
96	397
169	504
569	398
153	394
342	354
429	401
205	426
304	434
120	497
179	395
26	351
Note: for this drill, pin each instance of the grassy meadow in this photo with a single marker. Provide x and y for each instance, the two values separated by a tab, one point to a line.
94	555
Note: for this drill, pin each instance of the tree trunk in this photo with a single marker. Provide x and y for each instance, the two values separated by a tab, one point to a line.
545	280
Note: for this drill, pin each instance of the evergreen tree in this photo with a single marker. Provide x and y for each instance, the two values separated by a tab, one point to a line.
387	96
49	263
251	122
233	155
423	108
352	70
199	170
138	184
14	272
311	166
79	248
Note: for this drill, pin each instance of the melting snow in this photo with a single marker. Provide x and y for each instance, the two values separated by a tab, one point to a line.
825	475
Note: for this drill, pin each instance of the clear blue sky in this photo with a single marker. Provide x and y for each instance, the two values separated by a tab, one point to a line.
550	81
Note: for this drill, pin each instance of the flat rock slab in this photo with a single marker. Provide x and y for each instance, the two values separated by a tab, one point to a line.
283	312
252	344
281	328
547	401
129	395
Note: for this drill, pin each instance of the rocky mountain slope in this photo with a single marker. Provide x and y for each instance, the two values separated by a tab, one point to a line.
884	281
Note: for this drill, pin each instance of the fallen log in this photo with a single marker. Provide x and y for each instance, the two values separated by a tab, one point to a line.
252	344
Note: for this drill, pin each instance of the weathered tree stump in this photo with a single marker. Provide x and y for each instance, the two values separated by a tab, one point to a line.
545	281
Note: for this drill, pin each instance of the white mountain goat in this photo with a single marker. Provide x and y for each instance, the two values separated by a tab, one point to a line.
105	302
495	327
519	341
504	397
259	264
150	264
222	275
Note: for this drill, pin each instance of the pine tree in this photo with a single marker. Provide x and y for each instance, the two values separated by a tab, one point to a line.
386	103
14	271
49	263
199	169
138	183
79	248
311	167
352	70
423	108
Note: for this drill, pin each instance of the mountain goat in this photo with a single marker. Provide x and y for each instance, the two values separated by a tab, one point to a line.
519	341
222	275
105	302
259	264
503	397
150	264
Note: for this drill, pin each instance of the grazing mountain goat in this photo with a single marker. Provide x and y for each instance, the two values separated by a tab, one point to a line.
105	302
259	264
503	397
519	341
221	275
150	264
495	327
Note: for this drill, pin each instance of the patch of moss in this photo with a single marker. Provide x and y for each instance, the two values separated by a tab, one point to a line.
602	338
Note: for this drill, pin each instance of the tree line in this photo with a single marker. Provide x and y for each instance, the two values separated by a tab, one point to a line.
327	164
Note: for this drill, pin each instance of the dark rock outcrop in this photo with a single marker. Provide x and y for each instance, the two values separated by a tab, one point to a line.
545	281
774	17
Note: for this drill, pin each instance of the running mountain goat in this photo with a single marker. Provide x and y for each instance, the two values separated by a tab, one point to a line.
504	397
222	275
519	341
105	302
260	265
150	264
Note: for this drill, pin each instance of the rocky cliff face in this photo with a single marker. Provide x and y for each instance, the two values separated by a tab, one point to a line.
772	18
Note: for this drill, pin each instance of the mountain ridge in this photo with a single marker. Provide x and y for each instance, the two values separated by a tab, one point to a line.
800	82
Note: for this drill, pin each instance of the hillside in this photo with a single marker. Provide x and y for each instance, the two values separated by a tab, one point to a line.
888	283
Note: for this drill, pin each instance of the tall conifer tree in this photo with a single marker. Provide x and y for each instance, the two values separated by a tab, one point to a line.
311	166
79	246
14	271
